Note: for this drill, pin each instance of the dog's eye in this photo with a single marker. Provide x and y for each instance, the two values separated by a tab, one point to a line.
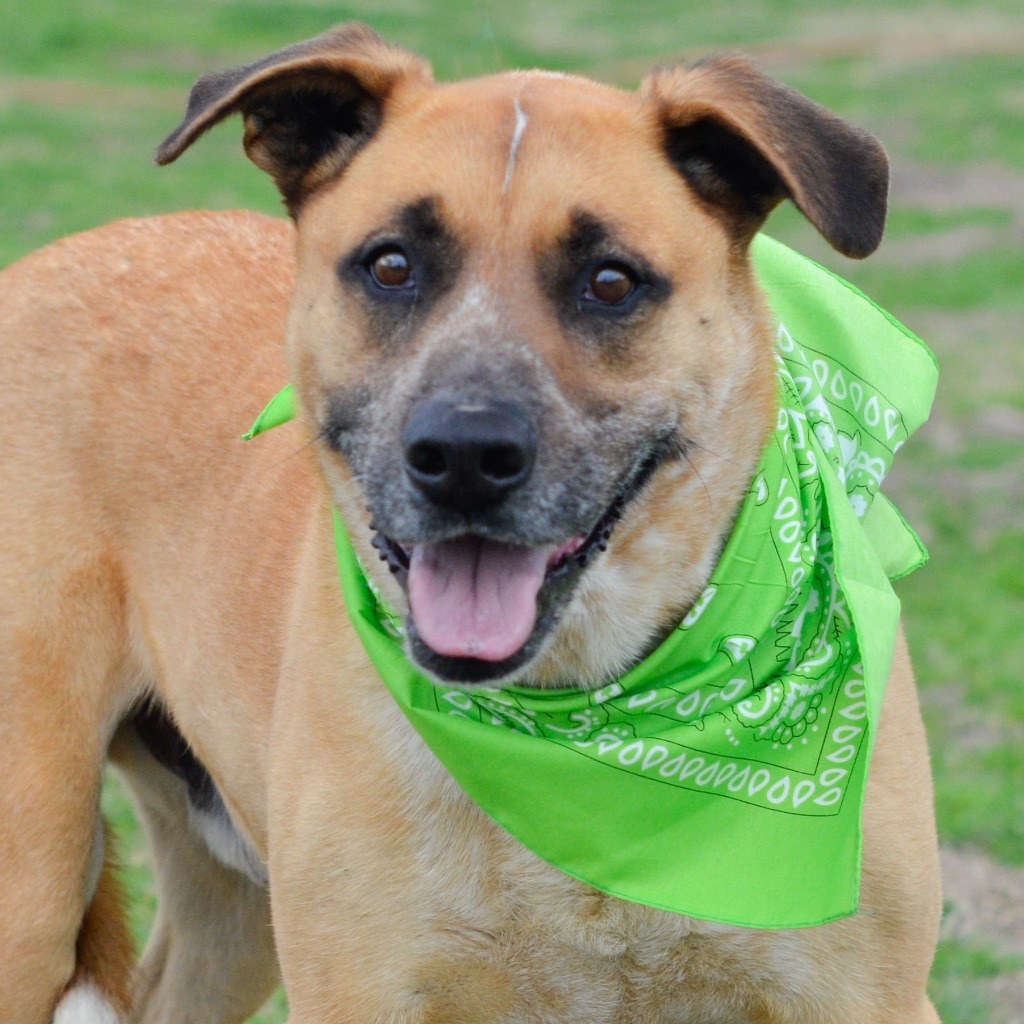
390	268
610	284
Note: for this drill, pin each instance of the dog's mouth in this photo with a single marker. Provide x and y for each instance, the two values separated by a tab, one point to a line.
480	608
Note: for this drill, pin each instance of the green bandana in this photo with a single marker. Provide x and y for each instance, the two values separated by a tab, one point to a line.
722	777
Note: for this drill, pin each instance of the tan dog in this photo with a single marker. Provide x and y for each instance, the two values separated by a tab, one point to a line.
572	260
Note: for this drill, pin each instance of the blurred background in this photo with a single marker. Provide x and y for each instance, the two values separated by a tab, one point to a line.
88	90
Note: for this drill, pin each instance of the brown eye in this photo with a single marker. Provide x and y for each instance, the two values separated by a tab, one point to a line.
610	284
391	269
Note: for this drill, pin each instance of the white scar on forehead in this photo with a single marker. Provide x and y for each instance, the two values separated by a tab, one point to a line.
517	137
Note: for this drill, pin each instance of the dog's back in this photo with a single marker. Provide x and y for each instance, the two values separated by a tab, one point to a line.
122	472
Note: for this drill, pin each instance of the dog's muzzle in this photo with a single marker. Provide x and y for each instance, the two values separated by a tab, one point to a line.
470	596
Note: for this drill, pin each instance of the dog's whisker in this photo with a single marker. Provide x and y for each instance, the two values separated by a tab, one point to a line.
697	474
691	442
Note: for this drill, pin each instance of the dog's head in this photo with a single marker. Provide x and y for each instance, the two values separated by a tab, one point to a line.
526	332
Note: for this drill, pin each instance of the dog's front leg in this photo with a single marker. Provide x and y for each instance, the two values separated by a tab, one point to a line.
388	887
358	930
62	932
341	907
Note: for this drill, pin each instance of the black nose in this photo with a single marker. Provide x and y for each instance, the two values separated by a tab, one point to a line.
467	455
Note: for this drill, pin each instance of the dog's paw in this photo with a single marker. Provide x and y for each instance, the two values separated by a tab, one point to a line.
85	1004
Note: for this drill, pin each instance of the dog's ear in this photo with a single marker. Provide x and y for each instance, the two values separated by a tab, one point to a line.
744	143
307	108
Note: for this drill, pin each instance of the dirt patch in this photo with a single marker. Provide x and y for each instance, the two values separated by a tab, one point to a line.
991	500
951	189
895	37
948	247
55	92
1005	996
985	906
982	347
985	901
892	38
976	730
946	190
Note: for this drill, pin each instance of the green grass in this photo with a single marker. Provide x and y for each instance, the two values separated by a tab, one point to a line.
976	716
951	268
961	970
124	40
905	221
947	111
68	170
989	279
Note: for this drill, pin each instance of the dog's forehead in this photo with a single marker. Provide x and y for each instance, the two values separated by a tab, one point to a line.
569	109
518	153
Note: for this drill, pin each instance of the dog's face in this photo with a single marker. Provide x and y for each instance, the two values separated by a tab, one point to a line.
526	333
510	326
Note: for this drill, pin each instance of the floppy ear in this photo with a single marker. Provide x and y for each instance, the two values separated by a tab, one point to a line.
744	143
308	108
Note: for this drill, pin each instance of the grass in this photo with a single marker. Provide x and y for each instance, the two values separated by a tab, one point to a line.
961	972
68	170
989	279
88	90
956	110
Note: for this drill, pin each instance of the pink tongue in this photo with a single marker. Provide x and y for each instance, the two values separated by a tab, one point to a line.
473	598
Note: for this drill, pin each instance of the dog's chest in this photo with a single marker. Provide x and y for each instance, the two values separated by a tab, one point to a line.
545	947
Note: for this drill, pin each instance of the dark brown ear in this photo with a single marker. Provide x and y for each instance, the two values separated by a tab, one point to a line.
307	108
744	143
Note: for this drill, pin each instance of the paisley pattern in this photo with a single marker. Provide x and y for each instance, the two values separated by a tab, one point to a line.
723	776
759	695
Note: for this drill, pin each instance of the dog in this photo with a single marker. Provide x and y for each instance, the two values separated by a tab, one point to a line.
535	373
